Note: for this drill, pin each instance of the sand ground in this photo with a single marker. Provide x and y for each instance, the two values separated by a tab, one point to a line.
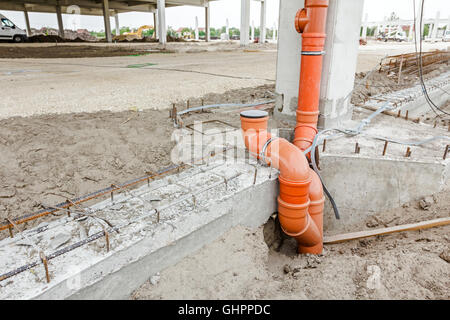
37	85
243	264
42	86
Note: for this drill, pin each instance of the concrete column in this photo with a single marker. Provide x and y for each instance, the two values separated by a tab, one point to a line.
60	20
107	22
274	30
339	65
155	24
252	37
161	4
411	32
417	32
207	22
27	22
227	29
288	60
364	30
116	19
262	31
245	22
435	25
196	29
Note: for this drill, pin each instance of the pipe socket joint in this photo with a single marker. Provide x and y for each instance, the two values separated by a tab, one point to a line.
301	20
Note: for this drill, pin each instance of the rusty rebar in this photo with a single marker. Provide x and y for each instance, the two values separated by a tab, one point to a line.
385	147
317	157
44	261
357	148
107	240
77	245
408	152
91	196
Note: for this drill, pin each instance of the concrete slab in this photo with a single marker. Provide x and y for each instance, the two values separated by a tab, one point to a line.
363	186
196	206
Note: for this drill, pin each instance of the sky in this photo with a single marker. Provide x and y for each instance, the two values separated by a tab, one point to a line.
184	16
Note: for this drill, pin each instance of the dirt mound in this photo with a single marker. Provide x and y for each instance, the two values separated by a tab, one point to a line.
42	38
242	264
67	51
150	39
383	82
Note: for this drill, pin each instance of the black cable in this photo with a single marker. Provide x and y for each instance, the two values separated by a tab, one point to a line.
419	59
316	170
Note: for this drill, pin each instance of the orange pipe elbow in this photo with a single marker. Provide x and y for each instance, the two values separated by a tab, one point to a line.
296	179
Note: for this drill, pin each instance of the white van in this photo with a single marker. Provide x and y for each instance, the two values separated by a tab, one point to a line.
9	31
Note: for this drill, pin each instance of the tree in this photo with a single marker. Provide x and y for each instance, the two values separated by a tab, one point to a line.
124	29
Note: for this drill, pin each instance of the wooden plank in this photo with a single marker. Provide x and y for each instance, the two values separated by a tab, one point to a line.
371	233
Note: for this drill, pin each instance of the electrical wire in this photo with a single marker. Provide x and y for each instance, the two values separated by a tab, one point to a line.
419	59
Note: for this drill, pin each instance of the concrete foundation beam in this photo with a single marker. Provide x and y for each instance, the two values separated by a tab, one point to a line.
376	185
146	247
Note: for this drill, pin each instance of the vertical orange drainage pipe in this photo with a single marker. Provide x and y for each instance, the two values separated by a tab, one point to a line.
301	199
310	22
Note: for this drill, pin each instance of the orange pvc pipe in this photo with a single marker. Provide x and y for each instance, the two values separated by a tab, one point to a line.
296	179
301	199
311	22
